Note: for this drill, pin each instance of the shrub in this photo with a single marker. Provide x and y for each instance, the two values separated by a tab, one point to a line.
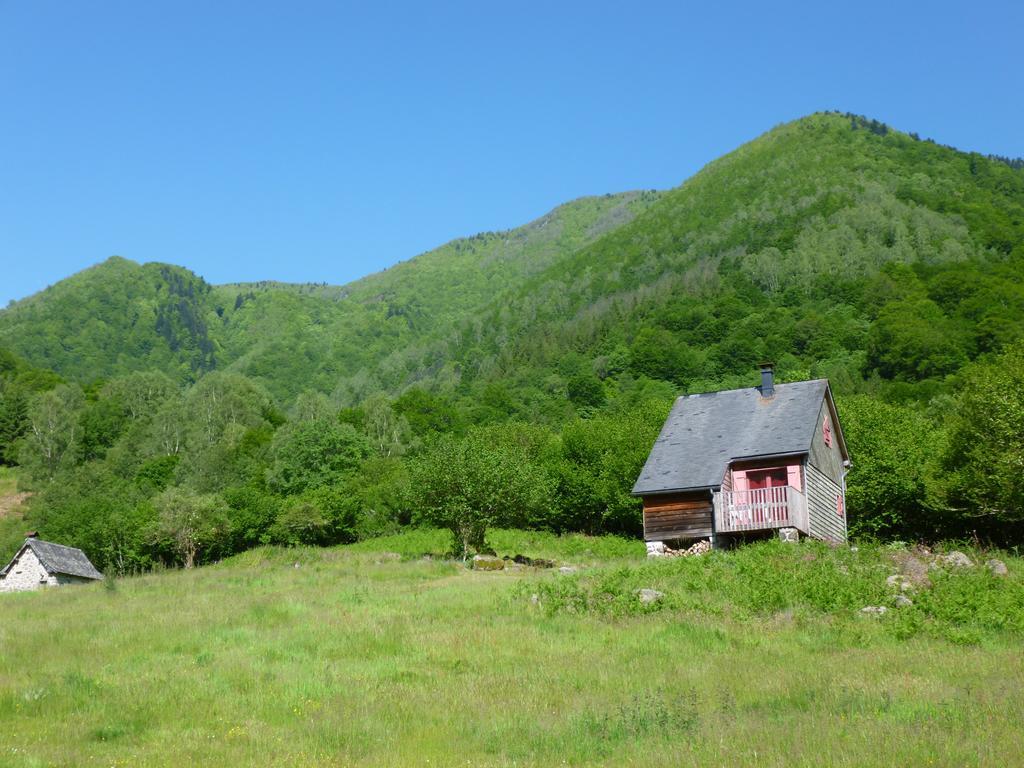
323	516
487	478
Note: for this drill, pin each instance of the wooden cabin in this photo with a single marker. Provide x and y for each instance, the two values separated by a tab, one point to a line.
747	462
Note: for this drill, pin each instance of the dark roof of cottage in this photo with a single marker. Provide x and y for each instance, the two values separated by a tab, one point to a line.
704	433
56	558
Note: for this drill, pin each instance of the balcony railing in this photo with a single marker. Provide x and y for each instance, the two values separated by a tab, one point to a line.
760	509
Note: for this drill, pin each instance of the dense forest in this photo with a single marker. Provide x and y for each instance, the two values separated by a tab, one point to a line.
521	377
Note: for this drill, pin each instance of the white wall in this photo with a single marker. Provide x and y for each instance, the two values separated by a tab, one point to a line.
26	573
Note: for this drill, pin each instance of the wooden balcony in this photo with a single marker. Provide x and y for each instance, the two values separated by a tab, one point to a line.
760	509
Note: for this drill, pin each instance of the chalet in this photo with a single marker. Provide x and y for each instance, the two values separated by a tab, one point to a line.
747	462
43	564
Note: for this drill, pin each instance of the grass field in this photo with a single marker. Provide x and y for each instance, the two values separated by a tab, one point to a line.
8	481
374	655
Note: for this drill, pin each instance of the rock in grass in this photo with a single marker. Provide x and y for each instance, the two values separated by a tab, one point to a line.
487	563
873	610
913	569
567	569
956	559
533	562
997	567
899	581
648	596
902	601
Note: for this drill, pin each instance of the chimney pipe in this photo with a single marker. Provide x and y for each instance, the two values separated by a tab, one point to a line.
767	380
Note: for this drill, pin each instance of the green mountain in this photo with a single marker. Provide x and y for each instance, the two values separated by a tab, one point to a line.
381	330
113	318
120	316
833	245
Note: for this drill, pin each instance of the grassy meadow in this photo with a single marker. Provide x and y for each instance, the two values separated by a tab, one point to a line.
373	654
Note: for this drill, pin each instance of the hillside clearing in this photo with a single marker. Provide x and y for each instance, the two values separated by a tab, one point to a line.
10	503
12	508
373	655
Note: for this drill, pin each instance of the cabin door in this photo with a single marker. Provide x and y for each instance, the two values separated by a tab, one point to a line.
768	494
768	478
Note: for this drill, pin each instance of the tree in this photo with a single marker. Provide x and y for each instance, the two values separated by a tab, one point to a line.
891	488
380	491
169	428
320	517
189	523
13	419
102	422
986	444
311	454
913	340
388	431
252	510
220	400
312	406
105	515
585	390
140	393
600	460
426	412
659	354
53	433
485	479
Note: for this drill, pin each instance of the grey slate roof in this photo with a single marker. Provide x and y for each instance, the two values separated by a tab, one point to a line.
704	433
56	558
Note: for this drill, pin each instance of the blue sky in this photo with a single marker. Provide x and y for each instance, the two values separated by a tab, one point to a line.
321	141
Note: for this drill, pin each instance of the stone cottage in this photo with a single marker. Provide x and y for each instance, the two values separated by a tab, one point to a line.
44	564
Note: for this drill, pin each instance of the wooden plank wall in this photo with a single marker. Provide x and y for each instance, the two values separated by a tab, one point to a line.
827	458
727	480
677	516
823	519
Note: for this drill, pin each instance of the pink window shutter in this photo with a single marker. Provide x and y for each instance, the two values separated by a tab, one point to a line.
795	477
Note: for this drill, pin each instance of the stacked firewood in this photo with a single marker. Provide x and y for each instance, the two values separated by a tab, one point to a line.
699	548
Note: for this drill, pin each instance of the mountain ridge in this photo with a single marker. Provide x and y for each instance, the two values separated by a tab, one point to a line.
826	201
589	216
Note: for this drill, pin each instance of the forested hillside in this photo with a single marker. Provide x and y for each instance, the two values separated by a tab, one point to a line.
119	316
523	375
829	247
113	318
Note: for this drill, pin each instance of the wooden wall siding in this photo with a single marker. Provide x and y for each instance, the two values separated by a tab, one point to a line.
727	486
678	516
823	519
827	458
